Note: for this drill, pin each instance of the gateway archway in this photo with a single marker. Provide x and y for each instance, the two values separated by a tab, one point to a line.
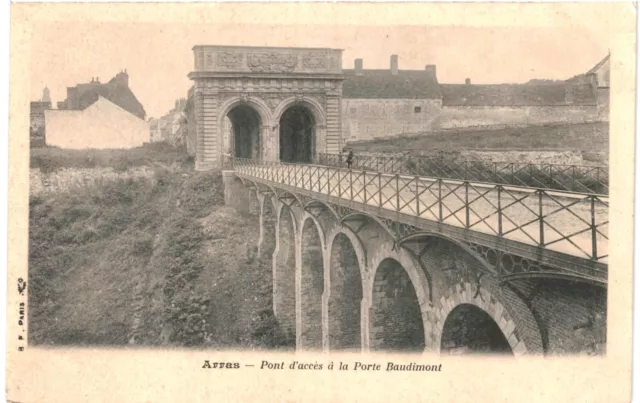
296	93
297	135
245	132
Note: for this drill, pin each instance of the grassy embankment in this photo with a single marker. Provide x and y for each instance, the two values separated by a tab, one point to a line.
160	261
51	159
584	138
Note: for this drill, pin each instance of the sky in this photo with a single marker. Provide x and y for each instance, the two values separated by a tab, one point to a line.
159	56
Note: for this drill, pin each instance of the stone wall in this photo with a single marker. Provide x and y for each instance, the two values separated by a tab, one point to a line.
572	317
366	119
482	116
68	179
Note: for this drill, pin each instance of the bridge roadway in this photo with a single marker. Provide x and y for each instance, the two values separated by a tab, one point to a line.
559	224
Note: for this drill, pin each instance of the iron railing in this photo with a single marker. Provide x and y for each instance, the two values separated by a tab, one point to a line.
575	178
566	222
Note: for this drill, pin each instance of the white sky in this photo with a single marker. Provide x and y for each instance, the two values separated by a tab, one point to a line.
158	57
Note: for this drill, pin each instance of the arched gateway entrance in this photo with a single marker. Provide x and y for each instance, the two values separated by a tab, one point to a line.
297	135
245	132
284	104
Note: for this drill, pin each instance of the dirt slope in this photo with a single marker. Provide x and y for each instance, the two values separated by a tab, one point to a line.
154	261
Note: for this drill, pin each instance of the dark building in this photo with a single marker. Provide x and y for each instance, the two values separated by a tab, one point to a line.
116	90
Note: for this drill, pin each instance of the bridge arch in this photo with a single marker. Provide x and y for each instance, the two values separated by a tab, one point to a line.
472	320
283	195
250	118
396	285
312	284
346	261
396	320
284	273
371	218
324	205
424	237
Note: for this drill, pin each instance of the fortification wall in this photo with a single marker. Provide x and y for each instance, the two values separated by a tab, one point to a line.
483	116
366	119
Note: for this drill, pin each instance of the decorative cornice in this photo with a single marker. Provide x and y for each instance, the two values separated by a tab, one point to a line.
203	75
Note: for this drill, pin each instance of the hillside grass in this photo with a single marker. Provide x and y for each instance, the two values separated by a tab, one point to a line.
588	137
51	159
156	261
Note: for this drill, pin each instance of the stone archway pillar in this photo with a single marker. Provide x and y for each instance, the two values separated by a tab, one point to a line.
270	136
332	134
209	141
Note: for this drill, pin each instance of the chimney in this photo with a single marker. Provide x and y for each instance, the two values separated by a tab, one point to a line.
46	97
98	80
467	81
358	67
122	78
394	65
431	70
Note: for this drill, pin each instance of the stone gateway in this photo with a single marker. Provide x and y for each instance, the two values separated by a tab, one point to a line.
283	103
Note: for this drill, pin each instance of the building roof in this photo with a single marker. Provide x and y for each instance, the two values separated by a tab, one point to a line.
116	91
503	94
412	84
597	67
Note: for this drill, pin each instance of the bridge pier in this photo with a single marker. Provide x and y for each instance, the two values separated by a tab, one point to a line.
236	194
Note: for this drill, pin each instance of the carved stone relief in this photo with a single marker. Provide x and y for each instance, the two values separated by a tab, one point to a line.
314	62
273	100
229	60
271	62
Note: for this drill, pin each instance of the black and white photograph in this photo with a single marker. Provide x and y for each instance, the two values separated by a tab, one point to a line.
429	190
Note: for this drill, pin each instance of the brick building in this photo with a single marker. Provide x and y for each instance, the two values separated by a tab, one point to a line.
115	90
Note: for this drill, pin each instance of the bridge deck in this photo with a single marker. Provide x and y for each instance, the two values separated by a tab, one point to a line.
569	223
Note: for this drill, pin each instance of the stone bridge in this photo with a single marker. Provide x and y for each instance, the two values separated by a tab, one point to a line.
348	276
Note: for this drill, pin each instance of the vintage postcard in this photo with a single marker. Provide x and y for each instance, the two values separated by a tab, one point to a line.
321	202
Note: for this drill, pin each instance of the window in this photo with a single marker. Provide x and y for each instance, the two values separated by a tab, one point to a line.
417	109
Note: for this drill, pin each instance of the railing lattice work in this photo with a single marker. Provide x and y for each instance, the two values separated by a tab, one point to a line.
574	178
567	222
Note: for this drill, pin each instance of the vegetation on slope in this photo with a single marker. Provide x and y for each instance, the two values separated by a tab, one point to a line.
156	261
51	159
579	137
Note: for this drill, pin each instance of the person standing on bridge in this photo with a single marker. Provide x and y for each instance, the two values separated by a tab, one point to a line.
350	158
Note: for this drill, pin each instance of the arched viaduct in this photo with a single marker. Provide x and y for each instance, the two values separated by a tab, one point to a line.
347	280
